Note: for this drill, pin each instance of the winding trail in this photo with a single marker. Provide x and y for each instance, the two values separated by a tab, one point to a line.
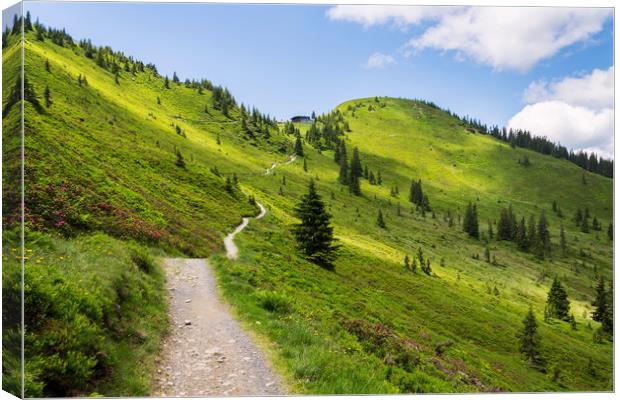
291	159
207	353
232	252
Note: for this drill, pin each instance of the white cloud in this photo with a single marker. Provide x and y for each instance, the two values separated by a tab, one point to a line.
379	60
511	38
575	127
594	90
575	111
503	37
400	16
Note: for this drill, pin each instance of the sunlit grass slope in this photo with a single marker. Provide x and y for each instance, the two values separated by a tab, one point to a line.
462	331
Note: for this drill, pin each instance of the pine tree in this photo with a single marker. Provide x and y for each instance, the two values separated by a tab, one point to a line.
27	22
166	82
562	240
314	234
180	162
544	237
228	185
585	225
504	228
487	254
420	257
175	78
299	149
305	165
490	230
47	97
426	267
521	236
557	300
578	217
379	179
470	222
380	221
602	310
530	341
47	66
610	231
406	262
343	176
355	172
531	232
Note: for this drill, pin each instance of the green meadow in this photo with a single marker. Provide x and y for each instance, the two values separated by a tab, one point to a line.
106	198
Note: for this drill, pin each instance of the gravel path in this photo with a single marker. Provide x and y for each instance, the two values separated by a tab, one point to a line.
207	353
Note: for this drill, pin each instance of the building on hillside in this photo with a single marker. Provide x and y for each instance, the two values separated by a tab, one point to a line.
301	118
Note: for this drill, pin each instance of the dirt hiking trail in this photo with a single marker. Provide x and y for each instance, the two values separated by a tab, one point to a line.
207	353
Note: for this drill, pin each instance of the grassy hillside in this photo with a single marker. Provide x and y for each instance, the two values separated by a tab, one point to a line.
458	307
104	190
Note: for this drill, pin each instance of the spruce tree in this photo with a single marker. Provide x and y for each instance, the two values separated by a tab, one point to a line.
504	228
562	240
530	341
610	231
531	232
470	222
180	162
299	149
166	82
229	187
380	221
47	97
544	237
406	262
557	300
585	225
314	234
343	175
47	66
426	267
578	217
355	172
521	237
602	310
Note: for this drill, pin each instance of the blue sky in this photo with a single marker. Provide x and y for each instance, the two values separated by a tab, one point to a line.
294	59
